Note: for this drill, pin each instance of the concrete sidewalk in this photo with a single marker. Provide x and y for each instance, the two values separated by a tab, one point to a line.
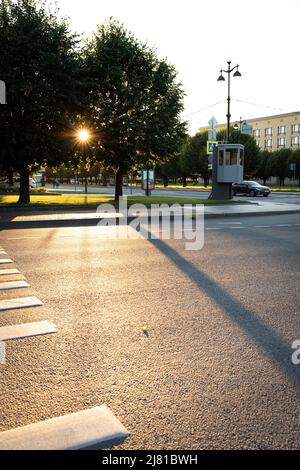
76	216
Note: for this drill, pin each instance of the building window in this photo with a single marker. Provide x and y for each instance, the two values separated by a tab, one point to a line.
257	143
268	143
296	140
268	131
295	128
281	142
281	130
227	157
233	157
256	133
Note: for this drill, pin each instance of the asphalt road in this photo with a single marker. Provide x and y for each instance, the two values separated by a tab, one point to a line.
214	369
277	197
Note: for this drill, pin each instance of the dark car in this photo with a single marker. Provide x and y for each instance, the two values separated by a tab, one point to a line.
251	188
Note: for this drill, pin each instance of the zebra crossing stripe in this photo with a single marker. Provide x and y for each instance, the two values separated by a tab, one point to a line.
4	272
20	302
13	285
74	431
26	330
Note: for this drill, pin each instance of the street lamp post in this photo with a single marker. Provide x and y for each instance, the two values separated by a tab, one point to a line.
222	79
240	124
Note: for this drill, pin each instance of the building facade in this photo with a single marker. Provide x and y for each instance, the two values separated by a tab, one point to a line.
274	132
277	132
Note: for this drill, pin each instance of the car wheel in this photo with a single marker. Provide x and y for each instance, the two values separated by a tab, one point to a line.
234	193
252	193
266	195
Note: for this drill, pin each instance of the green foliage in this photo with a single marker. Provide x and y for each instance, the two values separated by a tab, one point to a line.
39	63
134	100
295	158
193	157
278	164
263	169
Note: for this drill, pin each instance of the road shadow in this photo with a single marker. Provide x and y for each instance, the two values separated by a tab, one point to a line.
264	337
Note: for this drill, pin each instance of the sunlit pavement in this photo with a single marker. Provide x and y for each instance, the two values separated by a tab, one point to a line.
190	349
256	207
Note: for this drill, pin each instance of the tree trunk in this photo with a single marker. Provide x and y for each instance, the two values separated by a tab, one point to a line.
166	181
184	181
264	181
119	184
85	182
206	181
24	196
10	175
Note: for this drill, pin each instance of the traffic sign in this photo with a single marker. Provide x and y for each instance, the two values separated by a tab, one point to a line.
210	146
212	122
292	166
212	134
246	129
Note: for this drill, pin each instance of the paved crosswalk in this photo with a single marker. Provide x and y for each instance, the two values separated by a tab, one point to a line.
17	302
75	431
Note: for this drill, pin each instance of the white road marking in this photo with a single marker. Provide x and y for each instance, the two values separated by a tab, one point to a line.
19	302
13	285
26	330
70	432
213	228
262	226
21	238
5	261
4	272
283	225
230	223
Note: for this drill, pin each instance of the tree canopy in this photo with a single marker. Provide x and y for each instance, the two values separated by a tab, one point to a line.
134	101
39	63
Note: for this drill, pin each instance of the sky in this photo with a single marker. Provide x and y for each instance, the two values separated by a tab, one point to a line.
199	37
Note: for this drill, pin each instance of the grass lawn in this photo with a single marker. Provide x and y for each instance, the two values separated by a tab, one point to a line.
86	201
188	187
290	190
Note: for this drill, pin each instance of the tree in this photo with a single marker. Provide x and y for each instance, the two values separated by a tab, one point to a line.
193	157
169	169
278	164
40	65
263	170
295	158
134	101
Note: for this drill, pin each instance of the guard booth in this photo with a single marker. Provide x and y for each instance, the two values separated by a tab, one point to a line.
228	168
